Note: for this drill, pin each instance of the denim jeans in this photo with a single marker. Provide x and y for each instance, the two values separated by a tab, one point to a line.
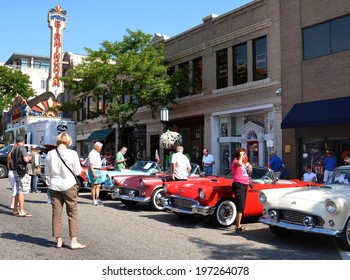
208	170
34	183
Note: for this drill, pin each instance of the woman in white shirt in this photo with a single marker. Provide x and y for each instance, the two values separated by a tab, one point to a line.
63	188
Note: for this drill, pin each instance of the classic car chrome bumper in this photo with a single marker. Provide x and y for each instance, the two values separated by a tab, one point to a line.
194	209
303	228
131	196
104	188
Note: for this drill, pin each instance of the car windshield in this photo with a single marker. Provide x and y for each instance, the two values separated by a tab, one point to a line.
146	166
104	163
195	169
261	173
339	176
6	149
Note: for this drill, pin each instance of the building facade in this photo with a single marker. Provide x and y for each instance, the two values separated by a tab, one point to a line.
234	64
315	46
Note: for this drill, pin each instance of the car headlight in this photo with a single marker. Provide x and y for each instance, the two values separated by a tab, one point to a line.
262	198
331	206
142	184
201	194
165	189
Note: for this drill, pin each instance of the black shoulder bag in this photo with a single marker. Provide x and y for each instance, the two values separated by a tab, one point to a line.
75	176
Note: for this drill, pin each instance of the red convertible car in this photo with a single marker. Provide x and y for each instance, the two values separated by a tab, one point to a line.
146	188
213	196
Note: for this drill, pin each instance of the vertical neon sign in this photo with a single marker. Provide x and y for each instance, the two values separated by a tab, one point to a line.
57	19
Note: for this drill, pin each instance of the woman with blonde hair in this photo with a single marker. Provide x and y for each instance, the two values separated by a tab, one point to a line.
60	167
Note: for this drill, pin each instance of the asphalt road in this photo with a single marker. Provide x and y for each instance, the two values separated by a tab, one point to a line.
117	232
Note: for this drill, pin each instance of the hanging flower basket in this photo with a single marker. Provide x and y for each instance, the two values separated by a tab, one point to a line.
170	140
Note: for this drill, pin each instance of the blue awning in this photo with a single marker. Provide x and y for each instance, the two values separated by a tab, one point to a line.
104	135
318	113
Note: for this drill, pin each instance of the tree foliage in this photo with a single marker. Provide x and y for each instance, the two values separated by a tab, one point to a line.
129	74
12	83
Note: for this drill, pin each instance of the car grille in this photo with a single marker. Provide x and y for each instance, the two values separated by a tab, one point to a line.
297	217
126	191
183	203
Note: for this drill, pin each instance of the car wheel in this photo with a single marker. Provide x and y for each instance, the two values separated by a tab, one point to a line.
3	171
128	202
343	242
156	199
225	213
278	231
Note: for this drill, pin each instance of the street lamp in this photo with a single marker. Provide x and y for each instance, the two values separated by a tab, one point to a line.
164	119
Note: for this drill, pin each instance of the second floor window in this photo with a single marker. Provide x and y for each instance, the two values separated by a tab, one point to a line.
260	58
221	69
197	75
240	66
326	38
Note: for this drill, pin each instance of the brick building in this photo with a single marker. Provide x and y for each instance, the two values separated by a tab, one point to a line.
315	46
234	62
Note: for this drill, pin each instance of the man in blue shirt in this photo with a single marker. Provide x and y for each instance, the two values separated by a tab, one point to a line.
275	164
330	163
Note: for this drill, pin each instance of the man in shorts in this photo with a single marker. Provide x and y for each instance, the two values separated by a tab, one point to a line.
20	157
95	178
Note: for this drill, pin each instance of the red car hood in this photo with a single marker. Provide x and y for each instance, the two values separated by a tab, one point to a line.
190	189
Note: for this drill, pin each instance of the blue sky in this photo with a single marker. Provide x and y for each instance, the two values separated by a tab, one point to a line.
24	27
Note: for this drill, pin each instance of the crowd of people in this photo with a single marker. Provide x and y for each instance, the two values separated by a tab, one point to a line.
62	165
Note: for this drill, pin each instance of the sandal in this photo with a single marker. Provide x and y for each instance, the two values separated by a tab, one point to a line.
240	229
24	215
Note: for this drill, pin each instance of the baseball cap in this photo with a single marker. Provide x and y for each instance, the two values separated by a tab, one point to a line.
20	138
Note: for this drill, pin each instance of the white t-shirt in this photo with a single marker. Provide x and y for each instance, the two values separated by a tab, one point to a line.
308	176
207	160
95	159
341	179
181	164
60	178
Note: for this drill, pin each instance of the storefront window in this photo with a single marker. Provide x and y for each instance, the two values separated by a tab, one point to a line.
227	151
314	151
224	127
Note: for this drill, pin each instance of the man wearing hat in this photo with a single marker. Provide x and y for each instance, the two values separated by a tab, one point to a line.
20	159
94	173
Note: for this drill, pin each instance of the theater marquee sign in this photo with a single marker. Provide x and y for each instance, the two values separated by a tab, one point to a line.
57	19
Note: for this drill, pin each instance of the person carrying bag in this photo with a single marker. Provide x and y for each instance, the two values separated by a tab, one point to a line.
20	159
61	167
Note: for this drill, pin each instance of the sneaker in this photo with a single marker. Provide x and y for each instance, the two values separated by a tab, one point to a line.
95	203
99	201
49	201
38	192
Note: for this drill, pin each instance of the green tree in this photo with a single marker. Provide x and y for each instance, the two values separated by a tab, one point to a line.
12	83
129	75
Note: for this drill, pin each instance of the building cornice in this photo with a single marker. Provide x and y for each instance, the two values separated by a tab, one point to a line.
242	32
185	53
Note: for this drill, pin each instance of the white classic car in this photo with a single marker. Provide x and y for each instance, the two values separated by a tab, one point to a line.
320	210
